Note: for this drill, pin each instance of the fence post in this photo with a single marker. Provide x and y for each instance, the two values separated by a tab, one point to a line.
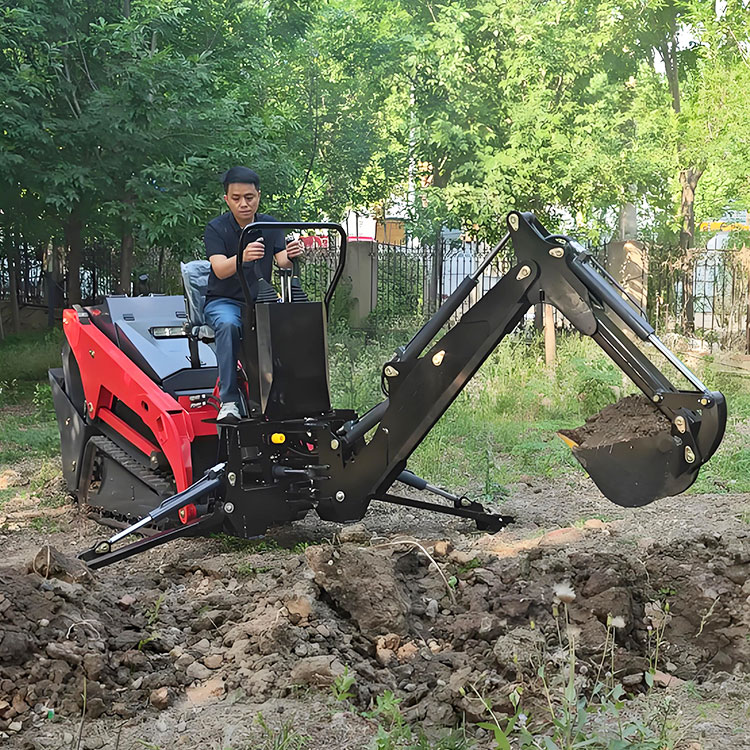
362	270
550	336
13	263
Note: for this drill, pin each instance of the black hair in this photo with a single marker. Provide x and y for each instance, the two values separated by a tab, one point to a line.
240	174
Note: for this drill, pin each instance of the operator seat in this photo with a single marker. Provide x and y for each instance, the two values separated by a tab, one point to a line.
195	280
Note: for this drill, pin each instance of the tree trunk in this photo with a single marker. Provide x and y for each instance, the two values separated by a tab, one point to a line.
54	265
689	180
13	276
668	51
126	262
74	243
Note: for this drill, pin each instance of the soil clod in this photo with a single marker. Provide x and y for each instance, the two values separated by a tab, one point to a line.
628	419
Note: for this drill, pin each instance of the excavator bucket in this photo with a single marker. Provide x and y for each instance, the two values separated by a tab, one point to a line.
636	455
636	472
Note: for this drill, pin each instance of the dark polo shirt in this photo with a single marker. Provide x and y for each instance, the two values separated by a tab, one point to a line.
221	238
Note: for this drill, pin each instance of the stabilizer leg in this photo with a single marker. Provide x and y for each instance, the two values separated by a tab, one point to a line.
102	554
462	506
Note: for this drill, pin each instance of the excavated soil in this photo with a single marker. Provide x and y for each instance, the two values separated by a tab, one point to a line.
629	418
185	645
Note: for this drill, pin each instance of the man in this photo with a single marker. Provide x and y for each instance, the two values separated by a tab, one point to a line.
224	297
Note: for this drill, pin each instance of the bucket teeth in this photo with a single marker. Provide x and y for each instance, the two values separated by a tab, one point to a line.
568	441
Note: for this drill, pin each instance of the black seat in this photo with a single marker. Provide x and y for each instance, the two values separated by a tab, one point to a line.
195	280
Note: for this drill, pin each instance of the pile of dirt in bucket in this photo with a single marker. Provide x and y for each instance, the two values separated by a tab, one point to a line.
628	419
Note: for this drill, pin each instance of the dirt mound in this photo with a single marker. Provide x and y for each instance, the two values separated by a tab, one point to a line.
199	630
629	418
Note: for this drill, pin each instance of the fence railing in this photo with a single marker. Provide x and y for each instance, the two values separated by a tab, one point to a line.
707	299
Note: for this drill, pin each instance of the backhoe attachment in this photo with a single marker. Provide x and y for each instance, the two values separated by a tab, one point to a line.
424	377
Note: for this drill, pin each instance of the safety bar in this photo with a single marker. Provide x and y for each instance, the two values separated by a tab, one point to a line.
303	225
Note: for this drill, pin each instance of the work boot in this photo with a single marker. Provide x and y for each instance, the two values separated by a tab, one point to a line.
229	413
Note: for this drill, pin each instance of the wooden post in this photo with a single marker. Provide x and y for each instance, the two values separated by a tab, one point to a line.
550	342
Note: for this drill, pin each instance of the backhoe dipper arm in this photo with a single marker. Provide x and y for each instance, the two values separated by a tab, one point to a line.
550	269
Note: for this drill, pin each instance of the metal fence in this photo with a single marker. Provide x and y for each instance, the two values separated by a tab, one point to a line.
707	299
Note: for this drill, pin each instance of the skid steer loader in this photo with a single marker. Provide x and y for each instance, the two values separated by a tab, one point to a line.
136	406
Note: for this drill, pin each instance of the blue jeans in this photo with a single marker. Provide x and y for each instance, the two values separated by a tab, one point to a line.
224	315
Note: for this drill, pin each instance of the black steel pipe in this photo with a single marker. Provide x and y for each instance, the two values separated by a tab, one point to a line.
607	294
366	422
431	328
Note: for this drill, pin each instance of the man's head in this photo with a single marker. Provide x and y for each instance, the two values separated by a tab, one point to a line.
241	193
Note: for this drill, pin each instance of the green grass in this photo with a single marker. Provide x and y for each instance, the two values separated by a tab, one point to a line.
27	432
28	356
729	469
500	429
503	425
7	494
27	422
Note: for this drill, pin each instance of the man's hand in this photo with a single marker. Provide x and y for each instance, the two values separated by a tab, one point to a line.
253	251
294	249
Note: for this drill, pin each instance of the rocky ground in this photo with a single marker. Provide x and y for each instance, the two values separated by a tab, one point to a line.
186	645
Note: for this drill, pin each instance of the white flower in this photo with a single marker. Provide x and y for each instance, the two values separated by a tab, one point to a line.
573	632
564	592
618	622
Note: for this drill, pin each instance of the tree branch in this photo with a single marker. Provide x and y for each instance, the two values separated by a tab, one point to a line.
86	67
314	107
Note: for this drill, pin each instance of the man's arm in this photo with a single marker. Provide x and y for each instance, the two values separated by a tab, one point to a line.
222	266
225	267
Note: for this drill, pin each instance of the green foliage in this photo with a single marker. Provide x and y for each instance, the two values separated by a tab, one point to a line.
285	738
395	732
246	570
42	400
599	718
119	118
152	613
342	684
45	525
9	391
